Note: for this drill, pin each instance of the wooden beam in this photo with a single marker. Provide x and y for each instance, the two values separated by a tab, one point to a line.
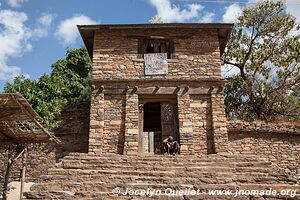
5	135
36	122
23	173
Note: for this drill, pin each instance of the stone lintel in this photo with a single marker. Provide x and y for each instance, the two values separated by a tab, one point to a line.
145	80
161	90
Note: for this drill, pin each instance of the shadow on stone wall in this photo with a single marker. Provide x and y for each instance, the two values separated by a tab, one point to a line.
73	130
209	131
121	139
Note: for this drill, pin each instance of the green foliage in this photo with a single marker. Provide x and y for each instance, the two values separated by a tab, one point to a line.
67	83
265	46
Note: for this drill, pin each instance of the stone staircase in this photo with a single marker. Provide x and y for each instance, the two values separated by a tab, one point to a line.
85	176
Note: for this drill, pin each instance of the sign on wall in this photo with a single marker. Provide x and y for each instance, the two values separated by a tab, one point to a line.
156	63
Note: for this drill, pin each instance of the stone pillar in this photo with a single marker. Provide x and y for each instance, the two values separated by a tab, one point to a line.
148	142
142	138
145	142
219	123
151	142
185	125
131	125
96	122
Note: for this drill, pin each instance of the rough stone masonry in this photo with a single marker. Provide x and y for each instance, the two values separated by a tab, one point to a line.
126	103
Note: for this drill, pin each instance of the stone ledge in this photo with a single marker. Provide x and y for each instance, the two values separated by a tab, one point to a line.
263	127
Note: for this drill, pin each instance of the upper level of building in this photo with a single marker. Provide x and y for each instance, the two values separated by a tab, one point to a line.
156	51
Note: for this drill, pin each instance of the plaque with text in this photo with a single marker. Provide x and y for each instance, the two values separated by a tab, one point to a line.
156	63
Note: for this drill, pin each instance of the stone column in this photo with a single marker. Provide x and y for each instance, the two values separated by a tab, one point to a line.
185	125
219	123
142	138
145	141
96	122
131	125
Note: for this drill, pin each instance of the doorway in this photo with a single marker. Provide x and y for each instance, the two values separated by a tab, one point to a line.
152	125
152	117
158	120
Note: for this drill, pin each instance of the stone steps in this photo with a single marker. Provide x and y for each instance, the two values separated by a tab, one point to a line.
204	179
188	172
105	196
76	186
86	176
205	174
158	158
62	175
175	169
145	165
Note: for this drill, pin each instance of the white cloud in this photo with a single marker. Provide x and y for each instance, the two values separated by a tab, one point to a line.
15	39
207	18
46	19
67	29
229	70
8	72
42	26
232	13
172	13
15	3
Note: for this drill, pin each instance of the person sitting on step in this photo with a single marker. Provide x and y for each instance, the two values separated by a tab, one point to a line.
171	146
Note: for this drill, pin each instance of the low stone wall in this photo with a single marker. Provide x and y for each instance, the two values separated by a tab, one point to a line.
278	142
73	133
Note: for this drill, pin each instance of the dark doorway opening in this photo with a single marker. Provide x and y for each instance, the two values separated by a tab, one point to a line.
152	122
152	117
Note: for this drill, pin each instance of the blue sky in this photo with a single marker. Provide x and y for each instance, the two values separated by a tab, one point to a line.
36	33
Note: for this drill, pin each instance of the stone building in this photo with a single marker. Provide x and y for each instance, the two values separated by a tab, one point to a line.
150	81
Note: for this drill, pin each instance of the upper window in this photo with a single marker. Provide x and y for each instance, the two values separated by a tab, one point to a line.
155	46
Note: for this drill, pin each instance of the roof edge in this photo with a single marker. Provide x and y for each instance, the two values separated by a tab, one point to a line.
162	25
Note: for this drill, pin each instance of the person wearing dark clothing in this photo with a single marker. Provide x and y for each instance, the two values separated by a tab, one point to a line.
171	146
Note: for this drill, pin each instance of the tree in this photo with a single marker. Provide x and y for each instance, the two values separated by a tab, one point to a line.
265	47
67	83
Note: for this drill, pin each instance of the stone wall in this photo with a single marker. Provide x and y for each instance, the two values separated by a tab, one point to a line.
73	133
73	130
38	162
114	124
219	122
196	56
96	122
131	125
278	142
185	125
202	124
194	68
